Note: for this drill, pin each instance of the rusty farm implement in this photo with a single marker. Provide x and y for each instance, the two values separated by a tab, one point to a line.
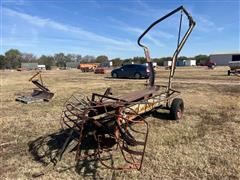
113	129
39	94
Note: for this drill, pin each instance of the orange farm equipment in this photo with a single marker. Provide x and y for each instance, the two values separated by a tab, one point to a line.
88	67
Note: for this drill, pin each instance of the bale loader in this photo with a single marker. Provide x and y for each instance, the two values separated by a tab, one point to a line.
113	129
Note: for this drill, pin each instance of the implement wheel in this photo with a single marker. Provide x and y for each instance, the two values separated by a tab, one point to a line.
229	73
114	75
137	75
177	108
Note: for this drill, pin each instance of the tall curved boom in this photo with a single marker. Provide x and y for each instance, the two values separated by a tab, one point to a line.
179	46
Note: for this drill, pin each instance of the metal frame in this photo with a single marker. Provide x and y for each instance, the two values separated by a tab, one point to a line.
234	68
38	95
179	45
117	117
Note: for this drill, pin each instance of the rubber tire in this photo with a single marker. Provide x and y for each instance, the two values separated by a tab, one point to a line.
114	75
176	109
137	75
229	73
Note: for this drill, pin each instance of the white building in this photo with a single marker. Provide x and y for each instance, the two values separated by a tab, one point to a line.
106	64
190	62
41	67
223	59
167	63
153	63
110	63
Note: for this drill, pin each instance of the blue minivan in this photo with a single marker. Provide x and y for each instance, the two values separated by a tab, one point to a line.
136	71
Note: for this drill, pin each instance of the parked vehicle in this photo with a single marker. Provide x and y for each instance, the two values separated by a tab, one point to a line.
88	67
100	70
210	64
137	71
234	68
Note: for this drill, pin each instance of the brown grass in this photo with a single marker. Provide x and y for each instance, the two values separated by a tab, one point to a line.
205	144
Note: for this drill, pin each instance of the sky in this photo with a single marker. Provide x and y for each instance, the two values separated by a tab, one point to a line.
112	27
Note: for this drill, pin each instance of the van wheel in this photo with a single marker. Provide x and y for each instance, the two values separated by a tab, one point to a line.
137	75
176	109
229	72
114	75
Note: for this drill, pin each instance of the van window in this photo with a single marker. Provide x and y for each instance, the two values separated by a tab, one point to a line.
236	57
132	66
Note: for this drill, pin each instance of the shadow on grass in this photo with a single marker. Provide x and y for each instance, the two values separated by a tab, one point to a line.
219	75
161	115
121	78
45	150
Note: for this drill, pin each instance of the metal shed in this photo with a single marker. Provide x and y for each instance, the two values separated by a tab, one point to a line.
190	62
180	63
29	66
42	67
167	63
70	65
223	59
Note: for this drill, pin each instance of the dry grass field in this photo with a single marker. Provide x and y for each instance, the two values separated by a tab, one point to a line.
205	144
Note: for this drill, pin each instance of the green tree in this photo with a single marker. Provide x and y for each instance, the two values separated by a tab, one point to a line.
87	59
166	58
182	58
47	60
13	58
117	62
60	59
201	59
28	57
73	58
159	61
127	61
139	60
101	59
2	62
78	57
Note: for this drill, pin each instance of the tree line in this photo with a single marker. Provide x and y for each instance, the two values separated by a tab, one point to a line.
13	58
